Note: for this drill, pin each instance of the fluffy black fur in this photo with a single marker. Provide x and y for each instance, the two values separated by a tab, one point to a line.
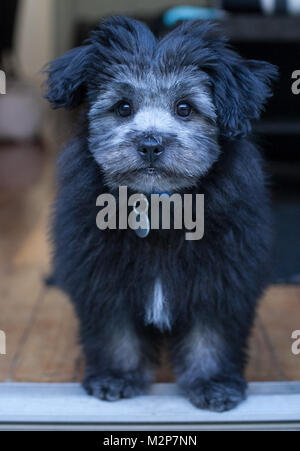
212	286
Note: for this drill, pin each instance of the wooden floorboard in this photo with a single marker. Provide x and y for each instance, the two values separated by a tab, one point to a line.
42	346
280	315
19	297
50	351
263	365
41	328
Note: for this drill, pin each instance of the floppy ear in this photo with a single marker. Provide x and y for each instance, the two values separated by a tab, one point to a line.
240	88
67	76
117	40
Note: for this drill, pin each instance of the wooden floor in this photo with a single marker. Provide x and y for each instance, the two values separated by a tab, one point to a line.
39	322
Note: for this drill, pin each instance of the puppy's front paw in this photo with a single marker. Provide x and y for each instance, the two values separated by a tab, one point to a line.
218	396
113	388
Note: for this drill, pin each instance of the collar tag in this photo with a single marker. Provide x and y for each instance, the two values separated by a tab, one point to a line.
143	233
144	230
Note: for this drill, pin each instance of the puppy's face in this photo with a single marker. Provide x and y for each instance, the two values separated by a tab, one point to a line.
157	108
152	130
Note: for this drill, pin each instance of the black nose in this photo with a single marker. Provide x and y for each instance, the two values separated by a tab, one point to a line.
150	149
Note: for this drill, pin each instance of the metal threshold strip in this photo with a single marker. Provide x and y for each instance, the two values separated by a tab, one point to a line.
269	407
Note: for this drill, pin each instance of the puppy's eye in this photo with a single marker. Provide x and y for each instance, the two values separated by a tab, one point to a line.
183	109
124	109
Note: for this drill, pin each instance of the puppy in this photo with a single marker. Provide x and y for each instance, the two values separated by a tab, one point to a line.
171	115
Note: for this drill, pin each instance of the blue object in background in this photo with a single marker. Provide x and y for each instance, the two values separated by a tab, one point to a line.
173	15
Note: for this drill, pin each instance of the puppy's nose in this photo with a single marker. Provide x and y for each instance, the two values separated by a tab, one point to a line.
150	149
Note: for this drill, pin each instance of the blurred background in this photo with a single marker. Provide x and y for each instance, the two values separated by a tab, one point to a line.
38	320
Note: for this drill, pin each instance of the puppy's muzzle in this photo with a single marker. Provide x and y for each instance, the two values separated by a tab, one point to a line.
150	150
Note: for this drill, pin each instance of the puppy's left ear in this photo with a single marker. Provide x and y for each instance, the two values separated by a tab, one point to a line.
66	82
241	88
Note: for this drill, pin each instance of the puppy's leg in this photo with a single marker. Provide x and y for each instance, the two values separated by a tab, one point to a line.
119	360
208	368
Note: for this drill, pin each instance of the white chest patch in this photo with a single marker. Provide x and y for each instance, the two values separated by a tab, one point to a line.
158	313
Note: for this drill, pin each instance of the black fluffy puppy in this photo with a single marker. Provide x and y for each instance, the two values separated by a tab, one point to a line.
162	116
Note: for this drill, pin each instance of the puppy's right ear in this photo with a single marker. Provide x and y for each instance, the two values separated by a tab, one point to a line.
67	77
